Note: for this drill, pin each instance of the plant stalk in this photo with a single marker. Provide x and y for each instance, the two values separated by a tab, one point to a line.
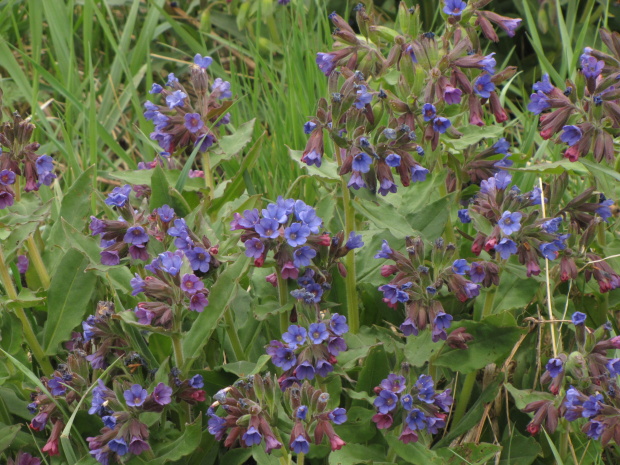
206	166
37	261
233	336
463	399
29	335
282	299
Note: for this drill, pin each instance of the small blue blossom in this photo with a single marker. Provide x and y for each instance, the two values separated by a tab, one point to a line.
506	247
571	134
300	445
554	367
416	420
176	99
301	412
464	215
338	416
441	124
309	127
483	86
454	7
543	85
429	112
354	242
510	222
252	437
386	401
488	63
578	318
460	266
393	160
317	333
551	226
539	103
296	234
303	256
362	162
363	98
418	173
202	62
295	336
338	324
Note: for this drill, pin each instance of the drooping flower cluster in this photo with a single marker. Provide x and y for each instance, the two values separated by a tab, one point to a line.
419	286
103	333
18	158
584	116
24	458
417	409
590	378
309	352
181	123
292	230
441	71
250	405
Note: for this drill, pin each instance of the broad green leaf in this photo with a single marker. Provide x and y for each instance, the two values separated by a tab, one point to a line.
159	189
222	294
469	453
352	454
431	220
385	215
421	348
7	434
169	451
473	134
414	452
67	299
557	167
359	425
244	368
139	177
522	397
26	298
234	143
375	368
518	449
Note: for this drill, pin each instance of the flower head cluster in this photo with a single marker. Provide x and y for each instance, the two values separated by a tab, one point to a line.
419	286
104	334
18	158
24	458
309	351
249	406
583	116
181	123
418	408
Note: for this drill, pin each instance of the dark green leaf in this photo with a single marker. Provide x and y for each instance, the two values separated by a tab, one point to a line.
518	449
234	143
375	369
159	189
421	348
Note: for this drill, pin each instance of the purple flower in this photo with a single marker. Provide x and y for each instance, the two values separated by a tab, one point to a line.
138	445
301	412
268	228
595	429
354	242
44	164
464	216
429	112
202	62
282	357
119	196
110	257
313	158
416	419
444	400
252	437
506	247
394	383
296	234
176	99
488	63
166	213
591	67
336	345
418	173
304	370
393	160
408	327
386	401
119	446
571	135
56	386
193	122
578	318
295	336
441	124
162	394
549	250
551	226
476	272
471	290
7	177
249	219
502	179
109	421
592	406
171	262
501	146
204	142
22	263
199	259
509	222
460	266
317	333
136	235
151	110
300	445
338	416
303	256
483	86
338	324
156	89
426	389
613	365
323	368
442	320
362	162
544	85
386	186
254	247
539	103
190	283
135	396
407	402
309	127
452	95
100	456
363	98
603	209
554	366
198	302
326	62
454	7
385	252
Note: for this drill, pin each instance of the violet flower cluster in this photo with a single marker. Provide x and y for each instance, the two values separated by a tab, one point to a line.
23	458
181	123
418	408
586	115
590	377
418	286
18	158
445	73
249	408
309	352
103	334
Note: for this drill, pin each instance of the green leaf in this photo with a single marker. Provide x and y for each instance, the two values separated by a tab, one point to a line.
159	189
234	143
431	220
523	397
222	294
473	134
328	171
469	453
557	167
421	348
25	299
384	215
414	452
492	342
169	451
244	368
518	449
352	454
7	434
67	299
359	425
376	367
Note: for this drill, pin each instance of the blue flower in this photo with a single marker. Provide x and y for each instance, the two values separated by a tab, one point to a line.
595	429
476	272
356	181
408	327
554	366
317	333
386	251
323	368
592	406
166	213
44	164
549	250
193	122
460	266
109	421
363	98
488	63
196	382
354	242
442	320
296	234
338	324
613	365
502	146
407	402
551	226
176	99
454	7
136	235
536	196
283	358
268	228
506	247
156	89
56	386
578	318
393	160
309	127
502	179
426	389
591	67
326	62
441	124
509	222
202	62
539	103
300	445
172	79
200	259
483	86
386	401
362	162
303	256
543	85
603	209
135	396
119	446
394	383
416	419
295	336
429	112
418	173
304	370
252	437
464	215
221	88
338	416
301	412
571	134
171	262
119	196
308	216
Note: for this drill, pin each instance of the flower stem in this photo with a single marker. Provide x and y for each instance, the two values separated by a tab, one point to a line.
37	261
31	338
350	280
282	299
233	336
206	166
300	459
463	399
488	302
